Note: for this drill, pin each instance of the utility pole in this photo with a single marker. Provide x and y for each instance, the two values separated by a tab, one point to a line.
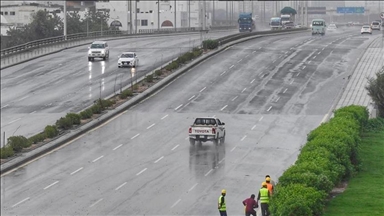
213	12
65	20
135	17
189	13
175	15
130	17
158	15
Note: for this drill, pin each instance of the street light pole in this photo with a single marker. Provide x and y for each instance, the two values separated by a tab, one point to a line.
65	20
175	13
158	15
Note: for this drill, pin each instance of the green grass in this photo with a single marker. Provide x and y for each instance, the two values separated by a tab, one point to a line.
365	192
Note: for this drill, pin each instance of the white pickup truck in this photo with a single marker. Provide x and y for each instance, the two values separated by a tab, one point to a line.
207	129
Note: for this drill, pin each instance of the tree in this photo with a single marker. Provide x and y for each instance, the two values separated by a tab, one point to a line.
375	90
74	23
97	20
288	10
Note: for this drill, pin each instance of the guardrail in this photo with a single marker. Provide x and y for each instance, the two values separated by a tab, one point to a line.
98	34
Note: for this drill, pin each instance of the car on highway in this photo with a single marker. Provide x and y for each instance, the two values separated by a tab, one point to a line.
207	129
332	27
128	59
366	29
98	49
289	25
375	25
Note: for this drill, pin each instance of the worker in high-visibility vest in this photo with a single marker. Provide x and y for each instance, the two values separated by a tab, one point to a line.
271	181
222	207
269	185
264	197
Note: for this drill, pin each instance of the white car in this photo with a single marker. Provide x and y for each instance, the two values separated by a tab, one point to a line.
332	27
98	49
128	59
366	29
375	25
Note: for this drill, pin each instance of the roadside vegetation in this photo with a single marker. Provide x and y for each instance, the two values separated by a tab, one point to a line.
19	144
375	89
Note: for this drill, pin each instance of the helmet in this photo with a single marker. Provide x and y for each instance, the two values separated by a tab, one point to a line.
267	179
264	184
223	191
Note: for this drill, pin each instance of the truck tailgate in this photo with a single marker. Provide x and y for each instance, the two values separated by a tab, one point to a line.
202	131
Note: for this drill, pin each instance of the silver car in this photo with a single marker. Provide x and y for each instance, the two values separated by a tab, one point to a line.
128	59
98	49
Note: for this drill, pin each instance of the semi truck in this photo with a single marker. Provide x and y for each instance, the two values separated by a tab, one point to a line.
275	23
286	18
246	22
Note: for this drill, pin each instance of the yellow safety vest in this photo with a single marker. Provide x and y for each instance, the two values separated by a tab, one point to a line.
223	207
264	198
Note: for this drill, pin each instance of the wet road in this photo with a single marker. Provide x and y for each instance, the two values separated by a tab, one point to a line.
270	92
37	93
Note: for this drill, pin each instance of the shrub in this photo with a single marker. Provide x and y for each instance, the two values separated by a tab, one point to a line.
172	66
105	103
375	124
6	151
210	44
197	53
86	114
75	118
18	143
126	93
158	73
64	123
149	78
96	109
51	131
360	113
37	138
189	56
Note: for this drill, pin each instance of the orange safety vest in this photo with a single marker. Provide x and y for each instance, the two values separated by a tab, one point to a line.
270	188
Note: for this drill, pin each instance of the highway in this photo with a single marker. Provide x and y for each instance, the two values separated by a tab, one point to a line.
270	92
39	92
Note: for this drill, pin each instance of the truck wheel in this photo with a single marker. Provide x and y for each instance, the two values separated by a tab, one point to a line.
192	141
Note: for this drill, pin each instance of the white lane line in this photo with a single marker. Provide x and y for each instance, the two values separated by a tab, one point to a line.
176	203
21	202
304	67
231	66
277	99
291	48
243	90
117	147
72	173
240	60
159	159
223	107
96	202
135	136
4	106
141	171
174	147
233	148
32	112
261	118
203	89
121	186
243	138
253	51
51	185
23	98
208	172
190	189
274	61
221	160
98	158
285	90
223	73
253	81
318	53
191	97
151	125
298	74
260	47
234	98
269	108
164	117
178	107
292	81
314	57
309	62
253	127
14	121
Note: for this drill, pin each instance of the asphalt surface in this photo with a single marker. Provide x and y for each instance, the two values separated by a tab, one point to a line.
142	163
37	93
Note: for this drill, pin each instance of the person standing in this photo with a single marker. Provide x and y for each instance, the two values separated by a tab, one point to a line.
250	204
270	187
222	207
272	182
264	196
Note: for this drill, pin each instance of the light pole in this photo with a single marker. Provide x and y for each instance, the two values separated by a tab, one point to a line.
65	20
132	75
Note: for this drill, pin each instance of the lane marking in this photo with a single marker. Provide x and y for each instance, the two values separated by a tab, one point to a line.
176	203
240	60
319	52
72	173
309	62
96	202
121	186
141	171
151	125
223	107
203	89
191	97
277	99
323	49
260	47
51	185
231	66
14	121
253	81
190	189
233	148
285	90
174	147
164	117
208	172
5	106
274	61
269	108
178	107
292	81
314	57
223	73
117	147
159	159
304	67
21	202
261	118
98	158
221	160
253	127
32	112
246	55
253	51
243	90
234	98
298	74
243	138
135	136
23	98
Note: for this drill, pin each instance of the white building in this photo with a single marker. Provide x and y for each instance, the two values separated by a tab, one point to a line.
5	25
